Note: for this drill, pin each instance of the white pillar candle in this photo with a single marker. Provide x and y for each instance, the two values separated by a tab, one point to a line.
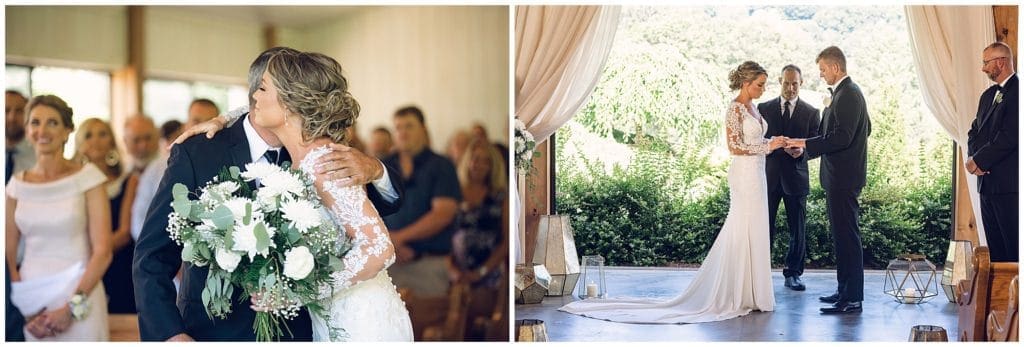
591	290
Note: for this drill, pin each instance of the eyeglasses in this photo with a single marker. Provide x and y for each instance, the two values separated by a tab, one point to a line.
985	62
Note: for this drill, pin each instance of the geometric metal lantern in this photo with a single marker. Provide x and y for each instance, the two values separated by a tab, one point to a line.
956	268
532	283
591	284
556	250
911	279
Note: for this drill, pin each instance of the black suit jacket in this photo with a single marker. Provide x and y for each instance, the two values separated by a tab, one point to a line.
782	170
843	143
157	258
992	140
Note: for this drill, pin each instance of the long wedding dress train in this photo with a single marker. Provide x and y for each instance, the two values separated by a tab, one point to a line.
735	277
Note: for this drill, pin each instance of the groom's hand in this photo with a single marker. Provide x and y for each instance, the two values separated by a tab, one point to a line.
183	337
973	168
348	166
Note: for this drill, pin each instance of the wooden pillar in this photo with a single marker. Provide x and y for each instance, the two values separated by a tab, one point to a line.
269	37
126	82
537	196
1006	27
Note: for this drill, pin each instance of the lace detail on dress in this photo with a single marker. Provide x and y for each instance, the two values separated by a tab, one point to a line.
372	251
234	115
742	140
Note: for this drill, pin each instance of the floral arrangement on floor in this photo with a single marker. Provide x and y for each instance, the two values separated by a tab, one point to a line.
525	149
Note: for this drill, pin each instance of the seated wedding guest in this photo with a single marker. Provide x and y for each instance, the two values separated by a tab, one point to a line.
457	145
421	230
95	144
169	131
58	286
201	110
381	144
480	244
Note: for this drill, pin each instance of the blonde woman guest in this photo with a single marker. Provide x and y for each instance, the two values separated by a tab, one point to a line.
57	286
95	144
480	245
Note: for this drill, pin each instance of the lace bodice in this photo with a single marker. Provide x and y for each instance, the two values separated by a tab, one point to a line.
349	207
744	132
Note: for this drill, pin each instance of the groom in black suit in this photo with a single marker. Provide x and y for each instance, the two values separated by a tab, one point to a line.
992	147
843	147
786	168
157	258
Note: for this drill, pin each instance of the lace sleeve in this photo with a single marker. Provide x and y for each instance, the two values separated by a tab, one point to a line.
234	115
734	134
372	251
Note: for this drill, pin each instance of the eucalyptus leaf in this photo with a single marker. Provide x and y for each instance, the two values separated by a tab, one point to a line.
179	191
188	253
182	207
262	238
235	172
222	217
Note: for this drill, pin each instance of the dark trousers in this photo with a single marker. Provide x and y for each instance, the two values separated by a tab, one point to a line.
843	216
796	215
999	214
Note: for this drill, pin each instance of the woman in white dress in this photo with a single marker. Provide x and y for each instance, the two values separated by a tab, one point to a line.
304	100
61	211
735	277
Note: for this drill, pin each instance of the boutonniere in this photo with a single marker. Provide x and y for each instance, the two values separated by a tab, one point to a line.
826	101
999	97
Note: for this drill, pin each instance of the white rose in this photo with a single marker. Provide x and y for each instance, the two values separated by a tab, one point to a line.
227	260
282	182
298	263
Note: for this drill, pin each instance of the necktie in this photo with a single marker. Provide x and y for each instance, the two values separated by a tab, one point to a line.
272	156
10	166
831	92
785	110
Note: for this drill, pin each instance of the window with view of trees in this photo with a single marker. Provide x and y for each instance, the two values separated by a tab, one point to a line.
642	166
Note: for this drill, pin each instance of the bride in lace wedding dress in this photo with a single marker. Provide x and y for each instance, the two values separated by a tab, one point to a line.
304	100
735	277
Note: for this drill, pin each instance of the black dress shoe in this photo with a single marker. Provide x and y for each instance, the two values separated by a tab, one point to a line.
831	299
842	307
795	283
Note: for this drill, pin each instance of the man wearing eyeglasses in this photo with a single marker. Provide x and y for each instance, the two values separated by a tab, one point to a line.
993	156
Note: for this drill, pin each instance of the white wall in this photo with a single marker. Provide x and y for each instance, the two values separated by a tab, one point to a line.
452	62
196	46
93	37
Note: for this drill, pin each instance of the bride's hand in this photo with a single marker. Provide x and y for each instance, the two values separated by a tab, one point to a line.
776	142
210	127
257	303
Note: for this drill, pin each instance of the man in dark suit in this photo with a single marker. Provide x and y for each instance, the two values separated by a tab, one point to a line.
992	148
786	168
843	147
157	258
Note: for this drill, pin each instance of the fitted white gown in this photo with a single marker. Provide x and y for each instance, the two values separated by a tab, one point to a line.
735	277
363	301
53	221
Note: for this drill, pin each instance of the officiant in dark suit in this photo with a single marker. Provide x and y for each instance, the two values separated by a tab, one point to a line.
992	148
786	168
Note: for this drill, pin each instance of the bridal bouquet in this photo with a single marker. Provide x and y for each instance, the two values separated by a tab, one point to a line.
271	242
525	145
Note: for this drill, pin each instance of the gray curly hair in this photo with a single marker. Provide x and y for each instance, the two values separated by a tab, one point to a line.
312	86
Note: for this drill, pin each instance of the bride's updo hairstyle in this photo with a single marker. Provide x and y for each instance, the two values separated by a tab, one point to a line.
312	86
746	72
